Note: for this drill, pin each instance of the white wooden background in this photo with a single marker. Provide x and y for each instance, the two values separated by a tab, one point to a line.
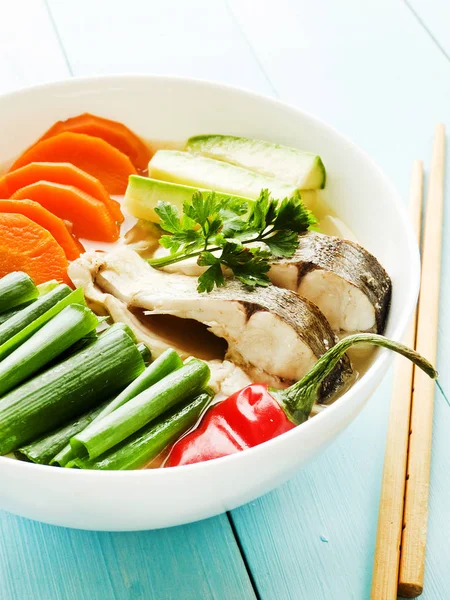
378	70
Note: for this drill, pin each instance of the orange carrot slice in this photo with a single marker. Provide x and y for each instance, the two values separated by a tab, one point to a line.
47	220
113	132
90	217
3	188
26	246
56	172
90	154
69	226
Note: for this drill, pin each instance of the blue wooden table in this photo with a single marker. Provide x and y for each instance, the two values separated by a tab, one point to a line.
379	71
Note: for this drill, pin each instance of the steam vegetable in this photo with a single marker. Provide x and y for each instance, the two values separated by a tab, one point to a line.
90	217
90	154
43	450
28	247
126	420
113	132
54	302
166	363
69	326
68	389
59	172
16	288
24	317
53	224
146	444
303	169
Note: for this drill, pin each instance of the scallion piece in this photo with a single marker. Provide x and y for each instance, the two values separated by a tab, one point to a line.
120	327
168	362
90	338
112	429
68	389
165	364
48	286
56	336
42	288
64	456
19	321
13	311
44	449
145	353
15	289
146	444
75	297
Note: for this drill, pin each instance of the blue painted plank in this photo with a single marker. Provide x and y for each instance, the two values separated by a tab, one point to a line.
435	17
371	70
198	38
194	562
30	51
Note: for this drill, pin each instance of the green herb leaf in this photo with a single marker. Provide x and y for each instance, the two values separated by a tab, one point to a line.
211	277
189	238
293	214
249	265
228	225
282	243
207	258
169	217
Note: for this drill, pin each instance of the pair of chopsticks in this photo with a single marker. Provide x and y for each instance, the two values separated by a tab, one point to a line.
402	522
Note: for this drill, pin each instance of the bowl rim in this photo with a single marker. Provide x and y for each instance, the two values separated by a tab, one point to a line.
383	357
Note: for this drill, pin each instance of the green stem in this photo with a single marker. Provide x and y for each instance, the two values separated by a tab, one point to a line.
110	430
16	288
139	449
68	389
49	342
17	322
53	302
171	259
299	399
43	450
165	364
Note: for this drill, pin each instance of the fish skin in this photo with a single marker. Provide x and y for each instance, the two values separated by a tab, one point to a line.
131	280
349	261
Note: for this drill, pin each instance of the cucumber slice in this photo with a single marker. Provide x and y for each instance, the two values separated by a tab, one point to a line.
143	194
305	170
207	173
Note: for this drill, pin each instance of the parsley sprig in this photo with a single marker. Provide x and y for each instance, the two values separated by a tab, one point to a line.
218	232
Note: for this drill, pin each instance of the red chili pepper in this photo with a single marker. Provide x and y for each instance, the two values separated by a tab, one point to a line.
256	414
245	419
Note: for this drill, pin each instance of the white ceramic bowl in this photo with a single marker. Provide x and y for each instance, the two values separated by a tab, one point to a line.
168	108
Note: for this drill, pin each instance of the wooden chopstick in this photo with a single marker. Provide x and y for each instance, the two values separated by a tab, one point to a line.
390	518
400	555
412	559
